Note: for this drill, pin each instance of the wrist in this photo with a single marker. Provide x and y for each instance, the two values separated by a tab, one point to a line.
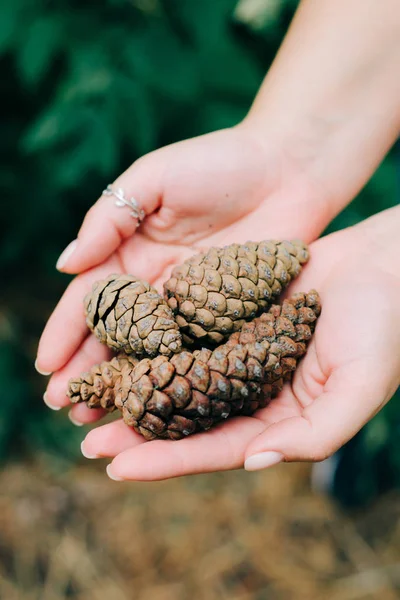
300	201
307	159
333	154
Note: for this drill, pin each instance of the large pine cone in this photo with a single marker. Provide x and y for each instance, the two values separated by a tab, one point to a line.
129	315
213	294
171	398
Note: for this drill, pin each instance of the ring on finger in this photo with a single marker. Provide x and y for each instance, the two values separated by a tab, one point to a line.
137	211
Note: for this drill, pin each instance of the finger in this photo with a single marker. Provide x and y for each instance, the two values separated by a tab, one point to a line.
107	225
91	352
349	400
219	449
110	439
66	328
80	414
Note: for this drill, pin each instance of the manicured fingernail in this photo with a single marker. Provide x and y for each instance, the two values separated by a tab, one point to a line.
71	418
46	401
66	255
112	476
263	460
45	373
85	453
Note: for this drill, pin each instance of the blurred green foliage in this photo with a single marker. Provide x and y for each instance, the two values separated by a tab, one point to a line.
86	88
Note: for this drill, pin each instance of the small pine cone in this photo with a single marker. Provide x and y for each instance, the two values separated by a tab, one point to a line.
175	397
96	387
214	294
129	315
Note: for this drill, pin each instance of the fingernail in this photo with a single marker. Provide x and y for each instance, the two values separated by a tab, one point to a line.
263	460
71	418
66	255
46	401
112	476
86	454
45	373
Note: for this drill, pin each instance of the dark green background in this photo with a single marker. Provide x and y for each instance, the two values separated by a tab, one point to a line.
86	88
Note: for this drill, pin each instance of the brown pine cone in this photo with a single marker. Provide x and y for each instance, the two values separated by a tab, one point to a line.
128	314
172	398
96	387
213	294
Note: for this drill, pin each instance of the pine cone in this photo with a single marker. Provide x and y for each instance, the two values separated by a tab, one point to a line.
213	294
96	387
171	398
128	314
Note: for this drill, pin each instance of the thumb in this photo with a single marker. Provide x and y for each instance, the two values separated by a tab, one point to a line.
106	224
350	398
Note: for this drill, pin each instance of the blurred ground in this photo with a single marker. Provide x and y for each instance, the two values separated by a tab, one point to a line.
233	536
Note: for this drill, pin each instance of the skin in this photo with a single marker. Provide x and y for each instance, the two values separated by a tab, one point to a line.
286	171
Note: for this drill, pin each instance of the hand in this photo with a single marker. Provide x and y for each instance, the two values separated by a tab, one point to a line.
351	369
217	189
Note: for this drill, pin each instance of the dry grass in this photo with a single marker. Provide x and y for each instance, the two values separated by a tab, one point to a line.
233	536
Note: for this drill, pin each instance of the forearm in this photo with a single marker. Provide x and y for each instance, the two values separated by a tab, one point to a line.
333	92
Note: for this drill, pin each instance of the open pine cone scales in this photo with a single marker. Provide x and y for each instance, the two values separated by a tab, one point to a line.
213	294
191	391
128	314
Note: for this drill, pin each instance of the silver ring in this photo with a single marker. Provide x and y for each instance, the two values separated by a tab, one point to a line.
137	211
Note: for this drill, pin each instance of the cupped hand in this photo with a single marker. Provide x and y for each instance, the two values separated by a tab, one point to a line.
351	369
228	186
